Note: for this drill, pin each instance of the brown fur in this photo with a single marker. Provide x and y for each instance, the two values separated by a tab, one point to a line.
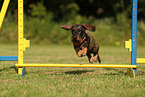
84	43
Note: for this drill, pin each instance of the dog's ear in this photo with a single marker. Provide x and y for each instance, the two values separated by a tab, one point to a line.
66	27
90	27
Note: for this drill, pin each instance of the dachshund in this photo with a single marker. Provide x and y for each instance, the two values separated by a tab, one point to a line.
84	43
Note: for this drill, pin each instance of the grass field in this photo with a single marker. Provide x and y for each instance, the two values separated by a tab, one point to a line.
70	82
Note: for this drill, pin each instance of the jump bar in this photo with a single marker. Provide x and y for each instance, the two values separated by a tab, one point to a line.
78	65
8	58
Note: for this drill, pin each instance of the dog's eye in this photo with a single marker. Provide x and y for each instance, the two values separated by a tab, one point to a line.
73	31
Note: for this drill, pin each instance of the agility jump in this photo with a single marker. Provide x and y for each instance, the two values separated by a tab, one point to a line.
23	44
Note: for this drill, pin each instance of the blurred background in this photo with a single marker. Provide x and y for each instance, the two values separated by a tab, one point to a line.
42	19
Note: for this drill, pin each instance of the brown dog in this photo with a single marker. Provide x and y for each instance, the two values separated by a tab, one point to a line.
83	42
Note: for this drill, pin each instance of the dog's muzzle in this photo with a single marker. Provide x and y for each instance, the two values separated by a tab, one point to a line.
75	37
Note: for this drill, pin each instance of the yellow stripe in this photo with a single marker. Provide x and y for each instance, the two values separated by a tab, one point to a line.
3	11
20	31
78	65
140	60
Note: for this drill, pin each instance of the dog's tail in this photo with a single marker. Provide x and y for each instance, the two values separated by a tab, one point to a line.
98	57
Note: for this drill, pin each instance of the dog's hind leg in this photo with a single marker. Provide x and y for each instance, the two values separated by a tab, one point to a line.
97	58
90	58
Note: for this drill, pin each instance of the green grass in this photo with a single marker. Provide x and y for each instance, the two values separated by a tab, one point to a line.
70	82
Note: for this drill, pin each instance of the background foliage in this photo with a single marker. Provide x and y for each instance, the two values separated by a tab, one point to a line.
43	18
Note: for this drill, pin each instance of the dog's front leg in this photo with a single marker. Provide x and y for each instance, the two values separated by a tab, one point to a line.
81	52
84	51
78	52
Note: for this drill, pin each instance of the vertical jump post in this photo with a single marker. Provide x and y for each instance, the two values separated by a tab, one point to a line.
134	35
132	43
22	42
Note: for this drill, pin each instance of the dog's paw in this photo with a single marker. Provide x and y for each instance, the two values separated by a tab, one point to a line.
84	51
79	53
91	60
95	58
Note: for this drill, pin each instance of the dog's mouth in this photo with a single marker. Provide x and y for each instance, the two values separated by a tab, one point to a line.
77	39
80	40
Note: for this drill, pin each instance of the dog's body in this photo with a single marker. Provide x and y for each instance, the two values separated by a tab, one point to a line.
83	42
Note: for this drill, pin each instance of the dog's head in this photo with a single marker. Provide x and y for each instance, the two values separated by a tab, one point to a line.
78	31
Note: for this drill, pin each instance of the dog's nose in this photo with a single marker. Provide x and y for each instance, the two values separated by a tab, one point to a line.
75	37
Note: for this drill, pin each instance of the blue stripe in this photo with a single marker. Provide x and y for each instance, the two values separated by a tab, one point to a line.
134	32
8	58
